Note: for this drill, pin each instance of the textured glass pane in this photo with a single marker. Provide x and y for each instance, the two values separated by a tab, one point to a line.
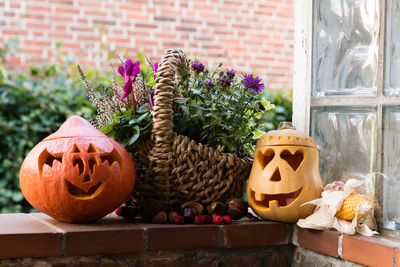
391	167
346	138
345	47
392	80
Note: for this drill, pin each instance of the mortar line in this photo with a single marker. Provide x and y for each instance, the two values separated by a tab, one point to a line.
340	248
57	229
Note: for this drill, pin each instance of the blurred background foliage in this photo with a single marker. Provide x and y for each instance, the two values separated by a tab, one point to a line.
35	101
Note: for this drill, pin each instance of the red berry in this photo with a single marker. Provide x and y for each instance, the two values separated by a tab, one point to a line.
199	219
179	219
226	220
118	211
208	219
217	219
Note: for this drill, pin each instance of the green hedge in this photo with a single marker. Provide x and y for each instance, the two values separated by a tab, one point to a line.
33	104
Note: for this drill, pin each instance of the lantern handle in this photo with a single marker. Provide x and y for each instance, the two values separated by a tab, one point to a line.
286	125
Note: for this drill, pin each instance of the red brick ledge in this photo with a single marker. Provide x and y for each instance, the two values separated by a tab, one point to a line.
37	235
370	251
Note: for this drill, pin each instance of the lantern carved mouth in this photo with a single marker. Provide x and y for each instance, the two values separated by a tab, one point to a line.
282	200
78	193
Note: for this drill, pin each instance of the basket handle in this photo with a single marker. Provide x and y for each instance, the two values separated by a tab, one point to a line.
163	99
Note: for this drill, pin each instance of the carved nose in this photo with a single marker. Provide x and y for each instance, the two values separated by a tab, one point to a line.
276	176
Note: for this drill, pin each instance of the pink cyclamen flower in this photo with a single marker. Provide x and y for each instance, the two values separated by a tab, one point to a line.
129	73
155	67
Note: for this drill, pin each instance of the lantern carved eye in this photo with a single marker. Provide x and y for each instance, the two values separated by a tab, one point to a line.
266	157
49	159
294	160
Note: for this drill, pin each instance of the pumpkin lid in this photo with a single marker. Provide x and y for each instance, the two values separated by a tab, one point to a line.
286	135
75	126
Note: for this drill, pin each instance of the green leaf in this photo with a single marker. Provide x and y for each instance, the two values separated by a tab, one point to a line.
135	135
139	119
142	109
106	129
257	134
180	101
266	104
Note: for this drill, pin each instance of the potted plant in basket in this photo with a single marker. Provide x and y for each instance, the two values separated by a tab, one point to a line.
189	130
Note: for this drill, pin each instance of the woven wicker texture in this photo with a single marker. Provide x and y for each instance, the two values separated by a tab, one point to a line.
174	169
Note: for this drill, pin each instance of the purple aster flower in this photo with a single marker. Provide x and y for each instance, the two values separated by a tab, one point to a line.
253	84
226	81
230	73
197	66
129	74
208	84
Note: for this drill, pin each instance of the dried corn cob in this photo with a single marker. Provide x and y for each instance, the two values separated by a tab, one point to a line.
349	207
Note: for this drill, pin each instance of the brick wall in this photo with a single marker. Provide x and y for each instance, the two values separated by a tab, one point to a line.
252	36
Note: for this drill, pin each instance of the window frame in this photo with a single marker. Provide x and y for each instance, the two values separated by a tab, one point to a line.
302	81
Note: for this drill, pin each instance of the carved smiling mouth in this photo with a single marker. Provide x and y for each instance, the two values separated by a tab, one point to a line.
78	193
283	199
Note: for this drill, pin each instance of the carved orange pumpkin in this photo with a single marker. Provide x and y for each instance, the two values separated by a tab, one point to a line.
285	174
77	174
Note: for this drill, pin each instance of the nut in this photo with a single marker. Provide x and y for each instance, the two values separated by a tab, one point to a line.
171	216
195	205
160	217
237	208
189	213
216	208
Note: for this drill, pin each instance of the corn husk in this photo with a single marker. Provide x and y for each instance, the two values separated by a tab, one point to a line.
356	215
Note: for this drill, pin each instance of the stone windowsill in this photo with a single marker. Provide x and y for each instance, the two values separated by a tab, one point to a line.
38	236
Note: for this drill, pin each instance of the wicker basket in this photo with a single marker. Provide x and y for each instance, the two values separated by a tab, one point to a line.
172	168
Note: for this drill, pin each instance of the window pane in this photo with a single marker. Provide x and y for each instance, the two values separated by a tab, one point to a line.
345	47
392	80
391	167
346	138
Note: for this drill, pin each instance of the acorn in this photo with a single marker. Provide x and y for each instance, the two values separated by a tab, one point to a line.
199	208
171	216
237	208
160	217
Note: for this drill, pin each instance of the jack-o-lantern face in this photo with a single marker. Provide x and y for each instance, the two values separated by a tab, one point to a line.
284	175
86	172
77	174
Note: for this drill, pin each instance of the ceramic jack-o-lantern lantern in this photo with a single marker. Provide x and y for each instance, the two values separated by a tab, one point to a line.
77	174
285	174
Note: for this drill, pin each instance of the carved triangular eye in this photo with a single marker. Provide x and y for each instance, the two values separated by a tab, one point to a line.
92	148
266	157
76	149
294	160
